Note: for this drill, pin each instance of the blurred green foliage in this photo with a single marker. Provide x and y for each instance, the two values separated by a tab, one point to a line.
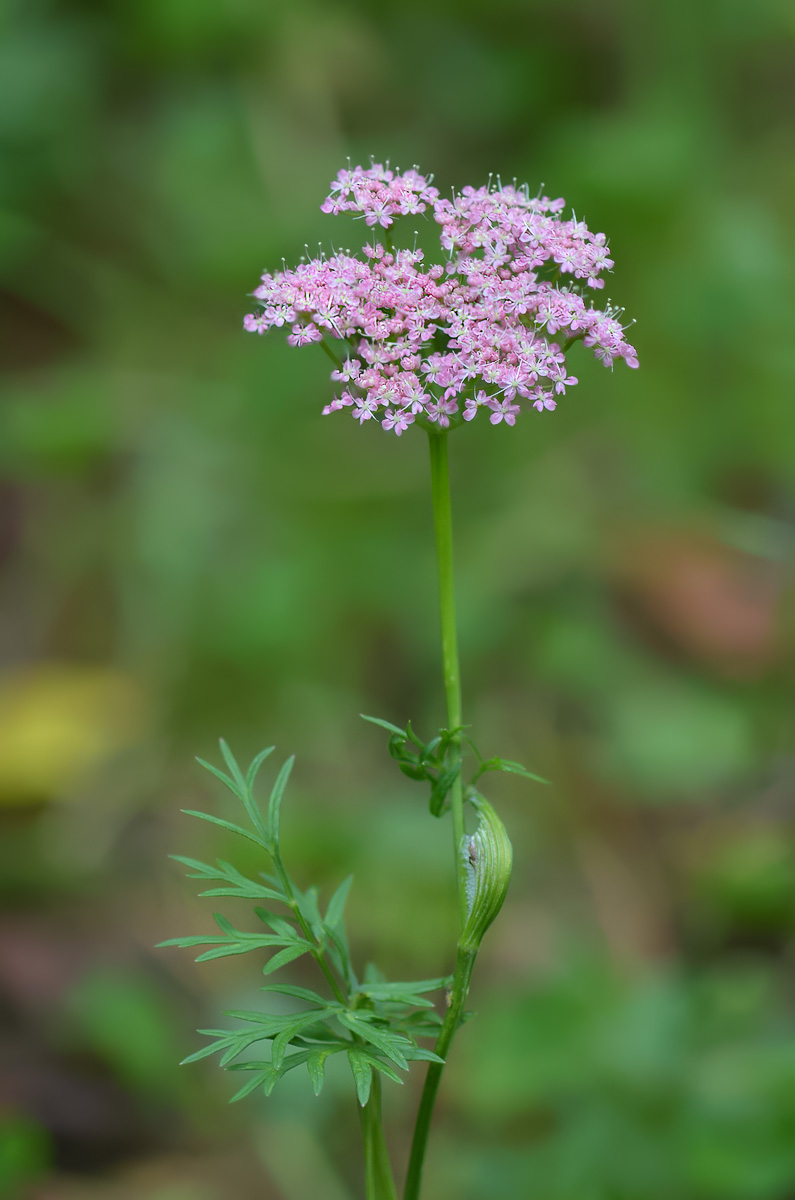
23	1154
188	549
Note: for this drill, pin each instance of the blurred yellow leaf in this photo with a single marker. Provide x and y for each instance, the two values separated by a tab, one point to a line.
58	722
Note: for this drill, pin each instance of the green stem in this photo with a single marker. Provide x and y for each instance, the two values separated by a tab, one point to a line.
465	961
325	346
379	1183
443	523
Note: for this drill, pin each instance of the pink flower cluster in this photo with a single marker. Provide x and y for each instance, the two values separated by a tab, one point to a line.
379	194
487	327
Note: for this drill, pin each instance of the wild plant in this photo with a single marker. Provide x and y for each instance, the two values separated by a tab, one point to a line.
486	327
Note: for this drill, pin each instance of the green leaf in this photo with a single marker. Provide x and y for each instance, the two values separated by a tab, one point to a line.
231	873
413	737
201	870
294	1060
233	1043
225	925
422	1024
379	990
336	906
472	747
275	802
232	945
232	763
225	780
307	904
425	1017
186	942
227	873
362	1073
256	763
407	999
226	951
390	1044
384	1067
231	941
420	1054
277	924
291	989
210	1048
244	886
230	825
239	787
242	1042
506	764
272	1022
341	957
285	956
255	817
413	770
321	1033
385	725
256	1081
267	1075
429	747
397	748
252	891
282	1040
316	1064
442	787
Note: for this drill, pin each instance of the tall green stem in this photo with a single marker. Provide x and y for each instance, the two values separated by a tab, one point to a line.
465	959
379	1183
443	523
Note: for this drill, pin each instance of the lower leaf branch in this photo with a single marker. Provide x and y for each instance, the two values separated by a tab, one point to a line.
306	928
465	961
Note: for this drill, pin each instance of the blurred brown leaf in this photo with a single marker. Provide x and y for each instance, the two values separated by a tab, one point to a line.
713	602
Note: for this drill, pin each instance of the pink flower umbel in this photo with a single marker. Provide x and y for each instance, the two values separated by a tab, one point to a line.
438	342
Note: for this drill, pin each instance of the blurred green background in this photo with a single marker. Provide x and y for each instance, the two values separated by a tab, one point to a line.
188	549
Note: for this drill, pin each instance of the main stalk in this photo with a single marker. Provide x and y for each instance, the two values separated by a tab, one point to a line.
443	524
465	958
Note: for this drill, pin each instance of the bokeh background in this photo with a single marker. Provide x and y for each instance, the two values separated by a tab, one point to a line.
188	549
